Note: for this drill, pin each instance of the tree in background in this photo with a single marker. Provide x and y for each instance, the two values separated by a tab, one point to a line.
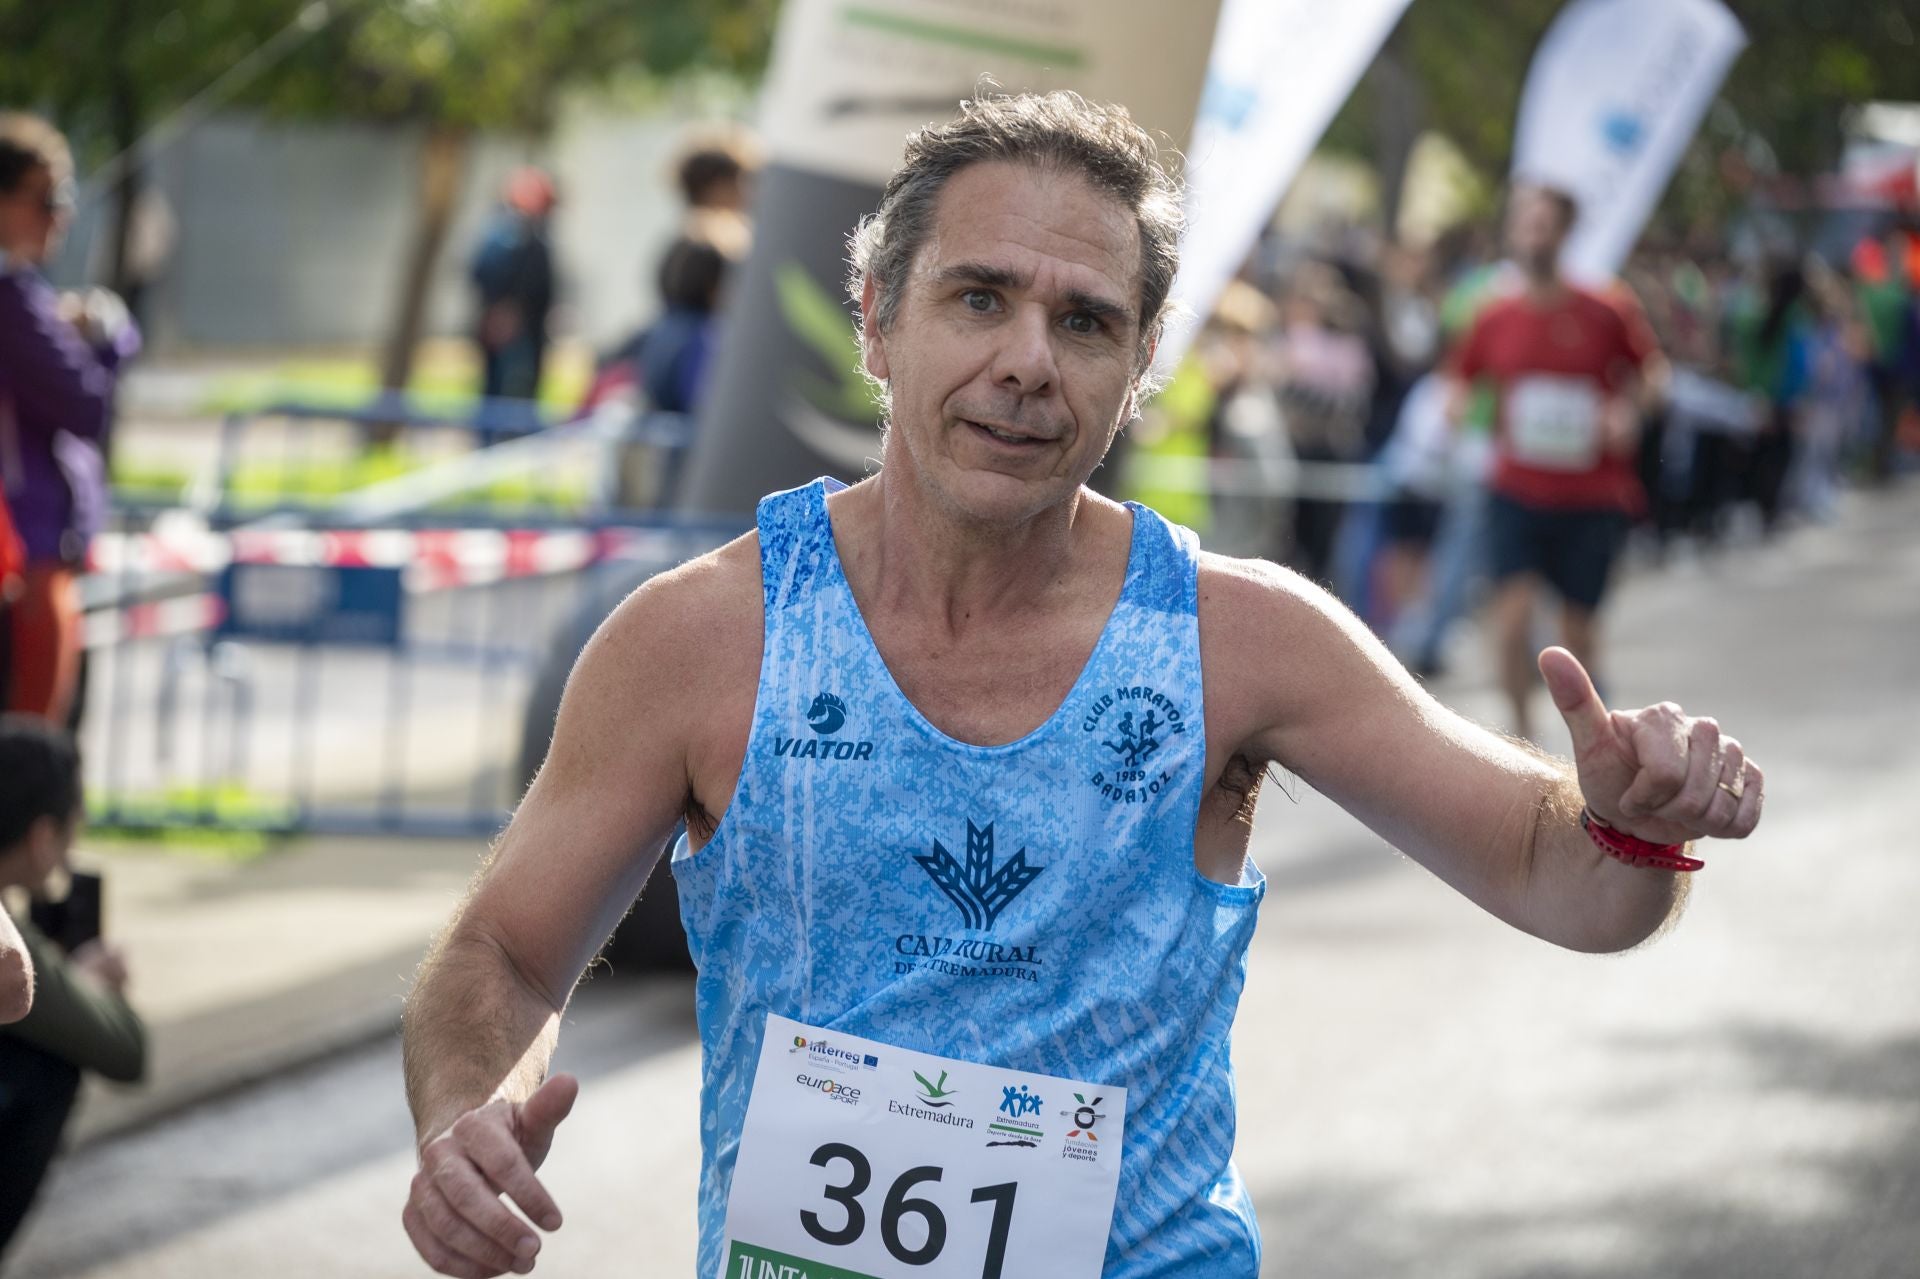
1457	67
106	70
109	71
453	67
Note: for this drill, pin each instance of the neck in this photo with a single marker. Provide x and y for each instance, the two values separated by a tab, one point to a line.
921	557
1543	281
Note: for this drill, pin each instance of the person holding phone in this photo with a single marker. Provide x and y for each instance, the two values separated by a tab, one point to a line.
80	1019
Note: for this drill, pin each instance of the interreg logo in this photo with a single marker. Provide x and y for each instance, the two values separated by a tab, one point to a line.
827	1054
978	888
826	716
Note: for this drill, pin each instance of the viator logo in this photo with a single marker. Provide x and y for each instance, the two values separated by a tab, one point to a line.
826	715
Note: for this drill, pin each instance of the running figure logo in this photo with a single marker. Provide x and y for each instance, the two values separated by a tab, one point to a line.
826	715
1135	744
1019	1102
978	889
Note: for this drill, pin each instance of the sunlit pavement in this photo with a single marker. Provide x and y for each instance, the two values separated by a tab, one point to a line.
1422	1091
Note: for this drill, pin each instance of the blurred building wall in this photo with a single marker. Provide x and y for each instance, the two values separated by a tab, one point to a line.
295	234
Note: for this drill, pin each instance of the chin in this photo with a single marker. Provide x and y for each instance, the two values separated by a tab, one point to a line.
984	496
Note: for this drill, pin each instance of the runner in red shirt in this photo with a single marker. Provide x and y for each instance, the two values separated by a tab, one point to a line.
1568	366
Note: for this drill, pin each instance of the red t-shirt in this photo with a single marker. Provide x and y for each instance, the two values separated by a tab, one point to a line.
1555	366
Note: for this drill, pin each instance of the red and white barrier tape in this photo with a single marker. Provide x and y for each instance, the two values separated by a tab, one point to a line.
434	559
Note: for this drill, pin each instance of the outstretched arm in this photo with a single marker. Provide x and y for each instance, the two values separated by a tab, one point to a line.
484	1014
1306	686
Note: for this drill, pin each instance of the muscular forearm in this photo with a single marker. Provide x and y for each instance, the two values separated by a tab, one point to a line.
475	1029
1576	896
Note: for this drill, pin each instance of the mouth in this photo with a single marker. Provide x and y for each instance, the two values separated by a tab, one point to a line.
1002	436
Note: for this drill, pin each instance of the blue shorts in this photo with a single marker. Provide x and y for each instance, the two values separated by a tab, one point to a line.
1573	550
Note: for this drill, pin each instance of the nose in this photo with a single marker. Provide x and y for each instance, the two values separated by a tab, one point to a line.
1024	360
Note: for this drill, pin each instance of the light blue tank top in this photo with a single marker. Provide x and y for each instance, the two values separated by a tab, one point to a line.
1032	905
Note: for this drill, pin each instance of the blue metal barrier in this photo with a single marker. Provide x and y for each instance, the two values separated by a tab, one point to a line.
283	665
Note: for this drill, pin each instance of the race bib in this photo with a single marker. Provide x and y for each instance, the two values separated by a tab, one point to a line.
860	1160
1553	423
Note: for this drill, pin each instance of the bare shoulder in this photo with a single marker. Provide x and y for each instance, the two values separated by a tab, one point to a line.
1284	660
689	620
1254	611
666	658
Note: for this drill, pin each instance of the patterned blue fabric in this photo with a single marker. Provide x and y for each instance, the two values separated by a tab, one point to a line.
1033	905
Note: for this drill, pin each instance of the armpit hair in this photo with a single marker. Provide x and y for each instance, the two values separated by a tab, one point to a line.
1243	778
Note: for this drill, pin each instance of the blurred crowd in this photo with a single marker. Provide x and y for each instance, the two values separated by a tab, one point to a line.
1772	380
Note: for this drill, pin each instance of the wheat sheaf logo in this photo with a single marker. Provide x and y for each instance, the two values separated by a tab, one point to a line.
826	715
978	888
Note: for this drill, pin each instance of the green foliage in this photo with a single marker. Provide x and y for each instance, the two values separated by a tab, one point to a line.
504	63
462	63
1808	62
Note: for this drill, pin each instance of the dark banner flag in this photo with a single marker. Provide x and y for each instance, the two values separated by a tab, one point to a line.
848	83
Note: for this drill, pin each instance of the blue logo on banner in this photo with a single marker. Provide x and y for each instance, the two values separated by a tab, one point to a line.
1624	131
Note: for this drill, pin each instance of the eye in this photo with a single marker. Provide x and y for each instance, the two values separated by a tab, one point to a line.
977	300
1084	323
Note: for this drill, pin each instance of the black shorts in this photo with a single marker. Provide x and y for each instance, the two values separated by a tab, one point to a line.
1410	518
1573	550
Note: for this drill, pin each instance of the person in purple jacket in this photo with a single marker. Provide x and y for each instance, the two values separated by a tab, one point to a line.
58	359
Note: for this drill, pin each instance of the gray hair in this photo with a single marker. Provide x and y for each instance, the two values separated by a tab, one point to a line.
1061	131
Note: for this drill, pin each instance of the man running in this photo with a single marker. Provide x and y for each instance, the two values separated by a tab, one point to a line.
1567	366
957	866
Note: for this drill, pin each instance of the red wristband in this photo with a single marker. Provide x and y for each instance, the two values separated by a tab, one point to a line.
1621	846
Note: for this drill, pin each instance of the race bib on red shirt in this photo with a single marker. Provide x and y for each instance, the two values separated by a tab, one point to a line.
1553	423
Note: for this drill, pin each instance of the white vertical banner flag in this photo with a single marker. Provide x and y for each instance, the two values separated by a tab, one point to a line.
1614	95
1279	71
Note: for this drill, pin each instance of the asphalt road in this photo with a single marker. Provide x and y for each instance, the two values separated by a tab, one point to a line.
1422	1091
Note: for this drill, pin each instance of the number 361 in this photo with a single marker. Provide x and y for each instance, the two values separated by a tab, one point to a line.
899	1204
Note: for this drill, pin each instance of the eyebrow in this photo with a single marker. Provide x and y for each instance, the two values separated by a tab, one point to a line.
1000	277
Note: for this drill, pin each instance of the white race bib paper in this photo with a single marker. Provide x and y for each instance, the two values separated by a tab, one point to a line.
860	1160
1553	423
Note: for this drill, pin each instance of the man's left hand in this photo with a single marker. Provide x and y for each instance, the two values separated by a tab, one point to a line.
1658	773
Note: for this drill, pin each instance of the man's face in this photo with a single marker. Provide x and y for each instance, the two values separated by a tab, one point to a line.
31	217
1536	228
1011	358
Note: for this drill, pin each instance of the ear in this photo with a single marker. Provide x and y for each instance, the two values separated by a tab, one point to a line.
873	346
1133	391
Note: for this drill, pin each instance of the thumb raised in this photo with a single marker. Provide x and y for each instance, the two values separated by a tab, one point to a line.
541	1113
1574	695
